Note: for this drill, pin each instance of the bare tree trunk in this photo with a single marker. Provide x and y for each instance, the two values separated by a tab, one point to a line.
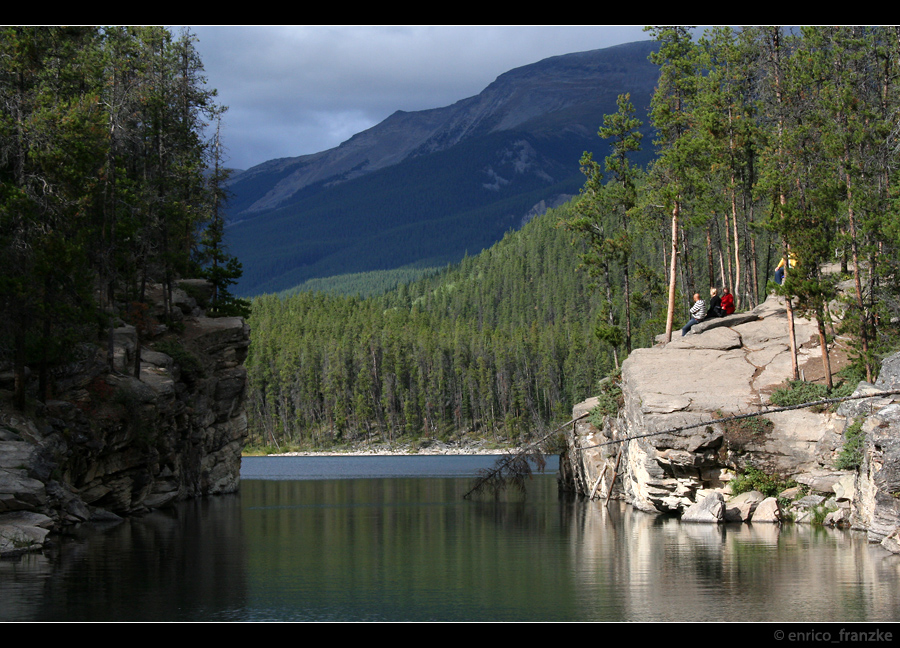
754	274
736	280
792	338
857	282
670	314
823	343
776	52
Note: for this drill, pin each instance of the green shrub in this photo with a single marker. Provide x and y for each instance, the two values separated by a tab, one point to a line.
851	454
610	400
800	391
797	392
755	479
751	425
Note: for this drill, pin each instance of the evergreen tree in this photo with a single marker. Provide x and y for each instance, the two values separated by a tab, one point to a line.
672	172
221	269
102	169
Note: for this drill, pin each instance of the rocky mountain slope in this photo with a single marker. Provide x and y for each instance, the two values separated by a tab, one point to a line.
428	186
732	369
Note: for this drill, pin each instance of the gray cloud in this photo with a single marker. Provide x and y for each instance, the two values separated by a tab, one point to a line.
294	90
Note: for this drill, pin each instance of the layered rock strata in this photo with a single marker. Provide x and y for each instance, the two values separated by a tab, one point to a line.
112	444
680	457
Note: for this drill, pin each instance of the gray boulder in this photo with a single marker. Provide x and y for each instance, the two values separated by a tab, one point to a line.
710	509
741	507
767	512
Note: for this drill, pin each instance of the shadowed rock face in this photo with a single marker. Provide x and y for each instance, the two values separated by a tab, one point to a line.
113	445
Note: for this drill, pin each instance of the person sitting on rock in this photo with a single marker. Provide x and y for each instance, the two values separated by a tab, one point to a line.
782	267
698	313
715	304
727	302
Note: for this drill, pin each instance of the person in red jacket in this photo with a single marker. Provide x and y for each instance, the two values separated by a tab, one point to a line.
727	304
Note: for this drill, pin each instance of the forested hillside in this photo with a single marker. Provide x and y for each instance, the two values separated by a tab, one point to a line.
106	186
768	146
496	345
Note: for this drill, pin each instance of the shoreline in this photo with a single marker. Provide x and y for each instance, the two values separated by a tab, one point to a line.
400	451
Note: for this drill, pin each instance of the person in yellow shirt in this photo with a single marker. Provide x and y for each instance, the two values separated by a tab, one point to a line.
779	271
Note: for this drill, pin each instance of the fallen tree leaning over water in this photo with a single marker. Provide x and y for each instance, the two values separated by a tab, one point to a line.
515	468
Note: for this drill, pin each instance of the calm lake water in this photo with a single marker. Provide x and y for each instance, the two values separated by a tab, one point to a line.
391	539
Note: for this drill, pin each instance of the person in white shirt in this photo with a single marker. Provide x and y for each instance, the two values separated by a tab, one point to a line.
698	313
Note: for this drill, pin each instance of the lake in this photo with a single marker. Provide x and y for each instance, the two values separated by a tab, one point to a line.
392	539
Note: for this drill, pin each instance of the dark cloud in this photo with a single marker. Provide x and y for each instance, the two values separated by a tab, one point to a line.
294	90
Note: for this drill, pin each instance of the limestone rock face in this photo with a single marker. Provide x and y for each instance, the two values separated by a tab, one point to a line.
680	456
729	366
113	444
876	505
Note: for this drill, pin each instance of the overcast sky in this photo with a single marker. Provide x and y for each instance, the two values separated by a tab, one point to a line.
294	90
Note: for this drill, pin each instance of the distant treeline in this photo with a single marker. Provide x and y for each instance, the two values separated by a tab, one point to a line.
363	284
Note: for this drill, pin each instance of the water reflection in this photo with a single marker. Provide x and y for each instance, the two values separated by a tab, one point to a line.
176	565
641	567
411	549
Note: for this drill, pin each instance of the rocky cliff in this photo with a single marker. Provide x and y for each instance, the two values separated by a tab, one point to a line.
680	458
111	444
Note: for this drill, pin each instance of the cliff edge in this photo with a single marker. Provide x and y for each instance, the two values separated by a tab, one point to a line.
111	444
722	368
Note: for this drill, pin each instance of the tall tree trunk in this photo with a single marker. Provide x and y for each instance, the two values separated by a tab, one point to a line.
670	313
736	280
823	344
857	282
776	53
792	338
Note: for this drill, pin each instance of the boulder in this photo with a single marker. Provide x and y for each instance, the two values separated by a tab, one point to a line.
735	319
741	507
709	509
768	511
839	518
23	531
892	542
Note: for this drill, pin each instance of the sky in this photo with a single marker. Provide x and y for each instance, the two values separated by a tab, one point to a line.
295	90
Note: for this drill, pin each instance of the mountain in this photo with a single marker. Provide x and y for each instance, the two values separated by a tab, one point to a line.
425	188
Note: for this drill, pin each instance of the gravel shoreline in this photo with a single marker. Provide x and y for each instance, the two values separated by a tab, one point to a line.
396	451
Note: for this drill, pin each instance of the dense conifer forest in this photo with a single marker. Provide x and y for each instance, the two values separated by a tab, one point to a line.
108	182
495	345
768	145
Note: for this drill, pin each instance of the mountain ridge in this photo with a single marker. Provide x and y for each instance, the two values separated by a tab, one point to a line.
522	135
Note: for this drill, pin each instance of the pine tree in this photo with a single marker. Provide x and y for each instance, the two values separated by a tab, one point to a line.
670	111
222	269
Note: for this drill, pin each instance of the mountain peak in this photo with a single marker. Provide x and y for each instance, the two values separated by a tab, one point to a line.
465	157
